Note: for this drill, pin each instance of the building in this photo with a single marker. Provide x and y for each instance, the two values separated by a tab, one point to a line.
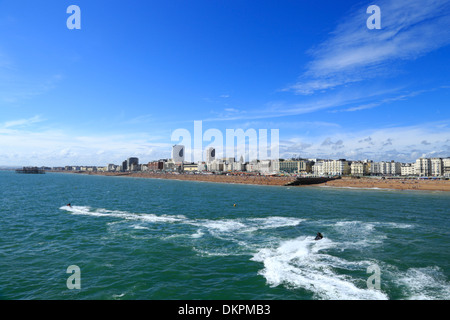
408	169
385	168
133	164
178	154
275	165
359	168
391	168
111	167
318	168
374	168
295	166
436	167
239	166
423	167
155	165
190	167
446	167
216	165
306	166
289	166
332	167
252	166
201	166
210	154
170	166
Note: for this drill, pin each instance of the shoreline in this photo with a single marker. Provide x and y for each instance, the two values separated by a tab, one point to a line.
391	184
344	182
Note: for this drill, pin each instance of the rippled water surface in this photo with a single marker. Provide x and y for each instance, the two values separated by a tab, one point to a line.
165	239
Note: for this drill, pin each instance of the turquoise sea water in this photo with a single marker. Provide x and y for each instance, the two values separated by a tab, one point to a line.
164	239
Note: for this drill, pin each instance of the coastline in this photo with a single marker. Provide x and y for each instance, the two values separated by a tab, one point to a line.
345	182
393	184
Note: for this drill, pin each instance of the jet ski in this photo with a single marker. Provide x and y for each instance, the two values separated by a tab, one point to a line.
319	236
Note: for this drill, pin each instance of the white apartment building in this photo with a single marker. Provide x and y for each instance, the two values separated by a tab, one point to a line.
423	167
359	168
318	168
202	166
375	168
265	166
332	167
215	165
446	167
252	166
408	169
436	167
391	168
239	166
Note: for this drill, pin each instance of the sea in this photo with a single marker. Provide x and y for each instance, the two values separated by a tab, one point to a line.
151	239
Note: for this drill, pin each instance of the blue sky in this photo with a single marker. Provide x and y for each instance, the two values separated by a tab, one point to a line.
138	70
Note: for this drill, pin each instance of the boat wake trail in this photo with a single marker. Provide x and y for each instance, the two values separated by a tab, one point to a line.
300	263
330	268
220	228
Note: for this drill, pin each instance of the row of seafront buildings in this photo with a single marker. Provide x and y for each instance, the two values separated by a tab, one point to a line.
422	167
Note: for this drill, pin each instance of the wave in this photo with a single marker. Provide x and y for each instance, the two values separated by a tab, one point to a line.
85	210
301	264
427	283
219	226
298	263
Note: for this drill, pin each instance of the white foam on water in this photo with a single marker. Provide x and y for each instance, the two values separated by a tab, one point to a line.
246	225
118	296
424	284
299	263
85	210
357	234
198	234
394	225
238	230
273	222
211	253
219	225
137	227
362	234
223	226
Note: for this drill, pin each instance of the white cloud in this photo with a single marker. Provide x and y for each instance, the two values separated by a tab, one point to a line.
22	122
410	29
56	148
396	143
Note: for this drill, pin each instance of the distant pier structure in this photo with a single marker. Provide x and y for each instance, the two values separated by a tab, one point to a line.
31	170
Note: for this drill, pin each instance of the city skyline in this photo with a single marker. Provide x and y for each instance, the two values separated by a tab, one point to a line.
136	72
422	167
